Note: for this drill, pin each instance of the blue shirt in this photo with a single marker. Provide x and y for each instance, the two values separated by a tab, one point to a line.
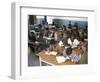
74	57
64	53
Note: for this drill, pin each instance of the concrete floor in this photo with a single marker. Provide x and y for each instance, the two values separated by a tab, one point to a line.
33	60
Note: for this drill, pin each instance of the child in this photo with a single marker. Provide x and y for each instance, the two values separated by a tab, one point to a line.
67	52
75	57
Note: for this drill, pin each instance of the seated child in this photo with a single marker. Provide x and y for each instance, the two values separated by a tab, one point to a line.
75	57
67	52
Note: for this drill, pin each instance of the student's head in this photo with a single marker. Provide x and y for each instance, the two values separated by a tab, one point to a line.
52	42
72	37
40	26
47	29
69	51
32	33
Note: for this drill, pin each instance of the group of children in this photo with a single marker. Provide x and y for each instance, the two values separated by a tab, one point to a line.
69	41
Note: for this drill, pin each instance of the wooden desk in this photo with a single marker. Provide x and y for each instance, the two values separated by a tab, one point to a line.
51	59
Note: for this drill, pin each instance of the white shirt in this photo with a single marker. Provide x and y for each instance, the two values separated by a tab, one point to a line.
61	43
74	43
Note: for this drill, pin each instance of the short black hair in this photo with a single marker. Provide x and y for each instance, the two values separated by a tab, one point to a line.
69	51
52	41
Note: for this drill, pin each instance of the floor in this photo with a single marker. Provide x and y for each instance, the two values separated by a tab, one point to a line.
33	60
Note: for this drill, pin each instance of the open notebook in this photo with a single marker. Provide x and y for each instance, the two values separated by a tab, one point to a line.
60	59
51	53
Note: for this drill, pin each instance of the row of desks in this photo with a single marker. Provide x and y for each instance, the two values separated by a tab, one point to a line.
51	59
